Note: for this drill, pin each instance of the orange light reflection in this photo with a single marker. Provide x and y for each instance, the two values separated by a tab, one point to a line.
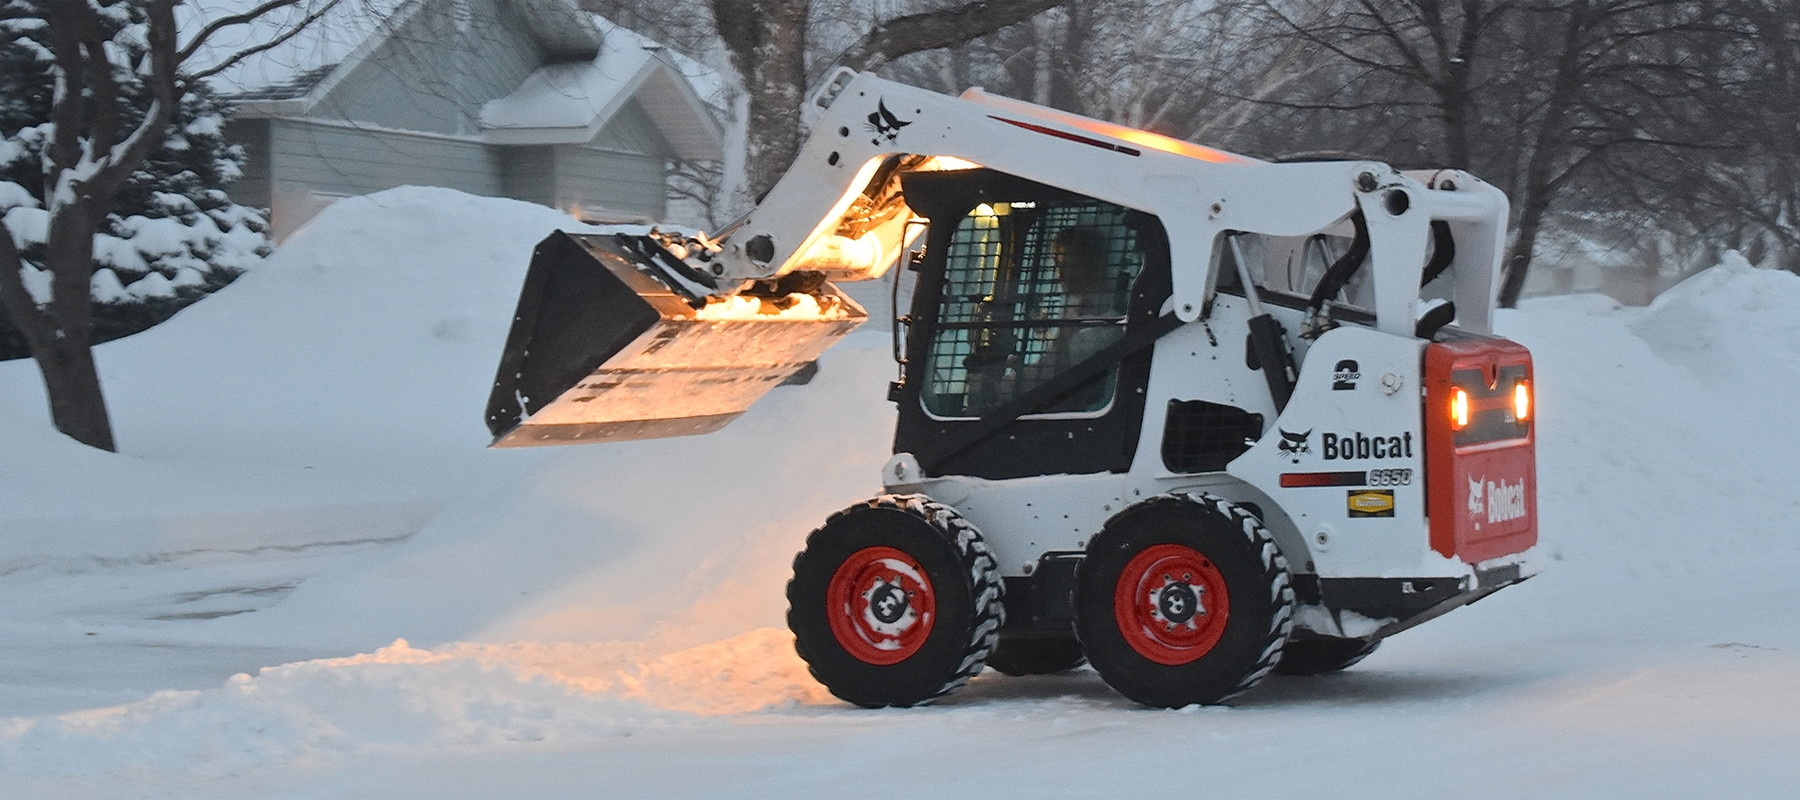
1156	141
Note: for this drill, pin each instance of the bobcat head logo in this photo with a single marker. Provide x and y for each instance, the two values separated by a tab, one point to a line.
884	124
1476	506
1293	445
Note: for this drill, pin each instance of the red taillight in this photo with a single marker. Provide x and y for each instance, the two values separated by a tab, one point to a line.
1521	401
1459	409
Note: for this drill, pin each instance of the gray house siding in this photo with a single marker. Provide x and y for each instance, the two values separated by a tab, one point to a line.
529	174
624	169
436	71
344	161
320	162
632	131
252	187
611	181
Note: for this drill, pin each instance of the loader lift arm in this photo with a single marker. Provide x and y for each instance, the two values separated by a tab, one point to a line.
691	318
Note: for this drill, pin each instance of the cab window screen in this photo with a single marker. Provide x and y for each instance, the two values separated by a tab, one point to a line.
1030	289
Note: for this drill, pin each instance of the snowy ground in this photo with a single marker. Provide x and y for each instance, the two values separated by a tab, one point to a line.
214	611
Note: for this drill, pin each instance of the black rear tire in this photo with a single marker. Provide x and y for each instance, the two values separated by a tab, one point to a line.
1183	599
895	602
1317	655
1037	655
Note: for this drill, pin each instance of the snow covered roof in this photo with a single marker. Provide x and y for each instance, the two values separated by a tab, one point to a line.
595	68
305	67
570	103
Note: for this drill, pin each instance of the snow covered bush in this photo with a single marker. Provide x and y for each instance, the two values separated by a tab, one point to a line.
173	235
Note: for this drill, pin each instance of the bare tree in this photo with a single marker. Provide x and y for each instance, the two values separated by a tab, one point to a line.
89	150
1152	64
1743	190
1534	96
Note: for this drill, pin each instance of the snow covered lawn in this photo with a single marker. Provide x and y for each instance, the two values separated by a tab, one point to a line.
304	576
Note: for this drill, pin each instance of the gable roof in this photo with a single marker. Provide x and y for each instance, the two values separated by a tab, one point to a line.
571	103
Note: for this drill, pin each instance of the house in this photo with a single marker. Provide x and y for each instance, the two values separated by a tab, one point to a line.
529	99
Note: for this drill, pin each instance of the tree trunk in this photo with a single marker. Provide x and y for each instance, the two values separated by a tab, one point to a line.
1518	263
60	334
767	43
1539	184
77	407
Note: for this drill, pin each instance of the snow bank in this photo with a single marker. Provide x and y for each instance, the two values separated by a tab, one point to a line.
396	697
401	698
1733	324
351	368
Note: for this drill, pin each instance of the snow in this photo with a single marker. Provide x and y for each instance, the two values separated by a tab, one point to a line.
569	95
13	195
214	612
28	225
580	96
107	288
154	284
38	283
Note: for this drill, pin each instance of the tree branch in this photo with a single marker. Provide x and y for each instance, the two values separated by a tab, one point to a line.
231	61
944	27
222	23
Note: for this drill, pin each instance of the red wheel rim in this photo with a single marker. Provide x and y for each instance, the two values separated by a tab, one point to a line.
1171	604
880	605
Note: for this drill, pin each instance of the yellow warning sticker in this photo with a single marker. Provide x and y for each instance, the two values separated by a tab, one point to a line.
1371	502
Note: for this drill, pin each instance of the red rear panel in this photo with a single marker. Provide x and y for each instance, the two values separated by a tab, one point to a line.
1482	492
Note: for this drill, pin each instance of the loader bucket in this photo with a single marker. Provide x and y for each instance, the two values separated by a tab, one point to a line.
608	344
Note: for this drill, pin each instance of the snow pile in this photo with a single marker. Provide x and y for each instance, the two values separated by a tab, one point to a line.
401	697
753	671
1732	324
396	697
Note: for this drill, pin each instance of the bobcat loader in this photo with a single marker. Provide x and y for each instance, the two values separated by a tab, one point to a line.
1187	416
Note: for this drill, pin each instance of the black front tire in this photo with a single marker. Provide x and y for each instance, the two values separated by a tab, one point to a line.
1317	655
956	610
1183	599
1036	655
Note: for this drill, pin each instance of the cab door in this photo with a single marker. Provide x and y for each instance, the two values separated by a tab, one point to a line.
1019	283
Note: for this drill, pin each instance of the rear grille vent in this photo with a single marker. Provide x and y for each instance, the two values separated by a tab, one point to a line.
1204	437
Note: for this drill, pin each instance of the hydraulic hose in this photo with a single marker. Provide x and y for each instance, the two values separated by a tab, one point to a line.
1340	272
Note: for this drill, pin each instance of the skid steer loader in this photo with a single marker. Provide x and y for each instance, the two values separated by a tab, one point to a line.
1187	416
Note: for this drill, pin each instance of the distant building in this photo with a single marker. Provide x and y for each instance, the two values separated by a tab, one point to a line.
528	99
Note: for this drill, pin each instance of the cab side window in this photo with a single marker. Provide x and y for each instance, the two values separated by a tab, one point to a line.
1030	290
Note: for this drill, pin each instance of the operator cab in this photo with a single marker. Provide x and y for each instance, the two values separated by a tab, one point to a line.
1019	285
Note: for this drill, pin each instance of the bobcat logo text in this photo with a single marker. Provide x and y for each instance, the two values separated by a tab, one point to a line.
1499	502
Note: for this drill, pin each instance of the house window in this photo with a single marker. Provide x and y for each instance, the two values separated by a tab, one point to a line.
1029	291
